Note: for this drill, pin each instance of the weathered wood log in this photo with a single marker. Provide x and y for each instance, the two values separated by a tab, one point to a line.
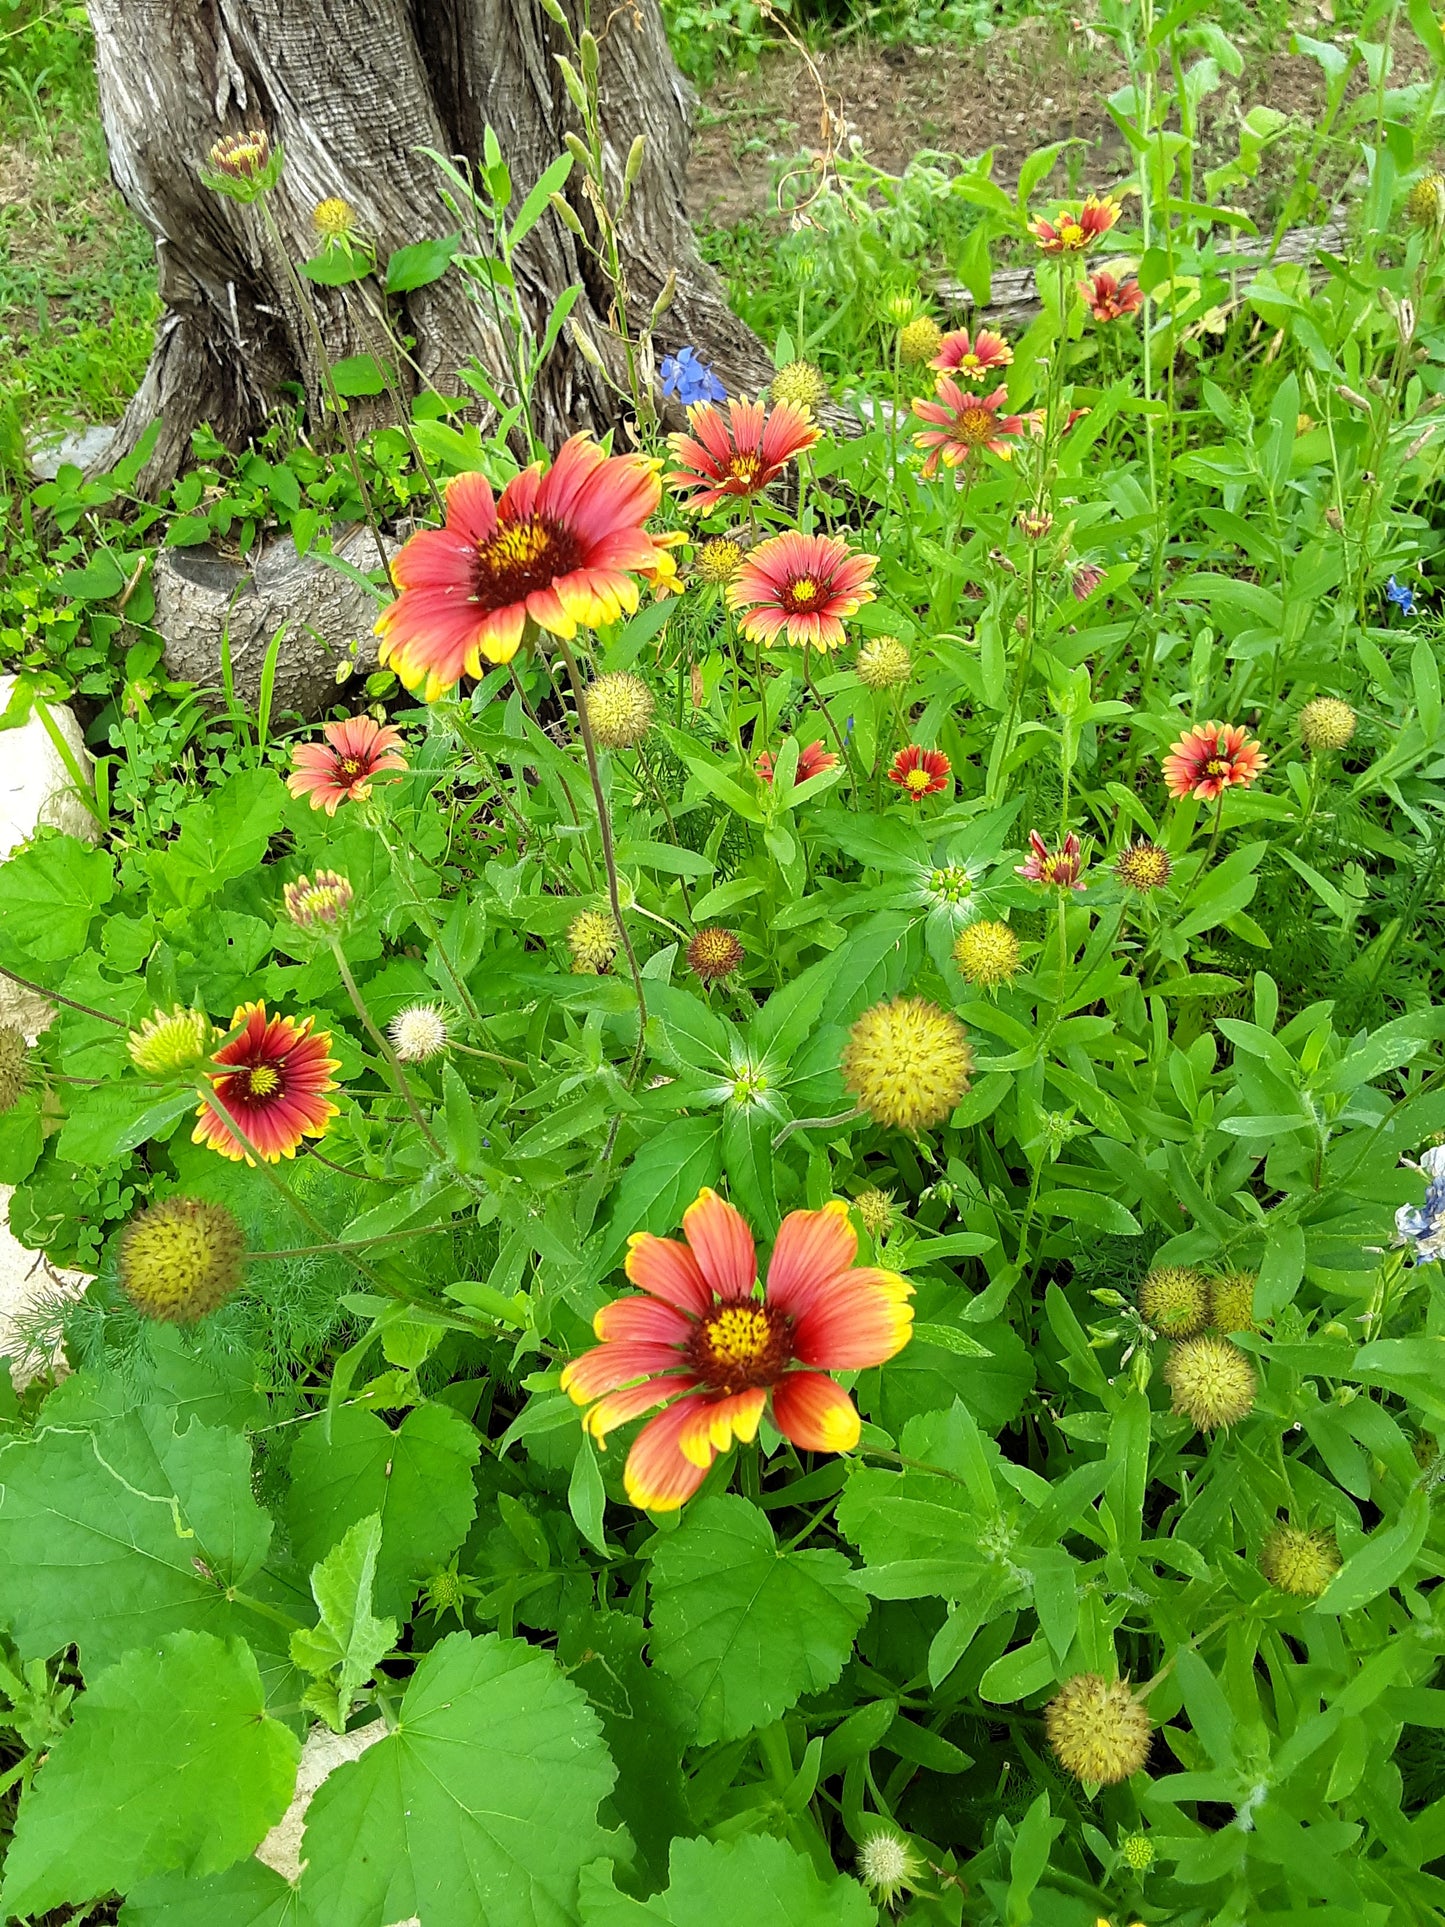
352	90
1014	295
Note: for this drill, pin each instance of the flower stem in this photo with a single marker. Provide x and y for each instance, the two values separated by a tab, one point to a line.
609	857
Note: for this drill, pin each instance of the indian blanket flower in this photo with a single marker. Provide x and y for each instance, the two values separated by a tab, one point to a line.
704	1344
1423	1225
920	772
972	360
321	905
739	456
243	166
171	1042
1084	578
1143	866
1109	299
181	1259
908	1063
687	378
801	587
556	549
1326	723
813	759
1064	867
333	219
918	340
961	424
1098	1730
714	954
1211	758
272	1079
342	769
1074	229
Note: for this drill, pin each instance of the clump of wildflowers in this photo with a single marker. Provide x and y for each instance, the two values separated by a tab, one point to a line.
1423	1225
594	940
908	1063
1098	1730
620	709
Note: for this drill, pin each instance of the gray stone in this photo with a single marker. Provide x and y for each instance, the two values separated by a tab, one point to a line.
83	447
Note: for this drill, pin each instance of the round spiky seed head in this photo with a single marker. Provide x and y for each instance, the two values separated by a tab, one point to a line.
718	560
1231	1302
594	940
1213	1382
620	709
1299	1562
875	1210
14	1060
803	384
418	1033
918	342
987	953
1425	203
887	1865
333	219
181	1259
322	905
1175	1301
1326	723
1143	866
714	954
1136	1850
907	1062
1098	1730
171	1042
884	663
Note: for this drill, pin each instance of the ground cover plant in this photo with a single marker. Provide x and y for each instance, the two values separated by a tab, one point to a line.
767	1226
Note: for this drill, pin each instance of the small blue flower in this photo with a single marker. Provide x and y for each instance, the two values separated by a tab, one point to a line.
1401	594
688	378
1423	1225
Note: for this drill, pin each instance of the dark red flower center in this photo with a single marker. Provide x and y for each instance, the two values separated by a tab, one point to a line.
521	558
802	596
747	471
738	1347
1217	766
976	425
253	1084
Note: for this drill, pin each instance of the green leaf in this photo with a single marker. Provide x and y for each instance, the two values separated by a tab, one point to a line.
481	1806
1381	1561
249	1894
761	1881
358	375
113	1537
418	1479
170	1762
661	1182
107	1121
744	1629
420	264
336	268
48	894
349	1639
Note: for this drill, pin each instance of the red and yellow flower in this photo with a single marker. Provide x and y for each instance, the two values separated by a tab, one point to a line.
270	1081
813	759
714	1352
343	768
920	772
1109	299
962	424
972	360
801	587
739	456
558	549
1074	229
1064	867
1211	758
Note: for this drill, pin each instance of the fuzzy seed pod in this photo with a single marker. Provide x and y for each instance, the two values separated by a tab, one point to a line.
1213	1382
1143	866
1098	1730
620	709
1326	723
1299	1562
875	1209
181	1259
594	940
987	953
883	663
718	560
714	954
418	1033
1231	1302
908	1063
887	1865
1174	1301
918	342
802	384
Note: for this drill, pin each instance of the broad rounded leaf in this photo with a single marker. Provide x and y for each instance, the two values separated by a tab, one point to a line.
761	1881
744	1629
249	1894
170	1763
480	1808
48	894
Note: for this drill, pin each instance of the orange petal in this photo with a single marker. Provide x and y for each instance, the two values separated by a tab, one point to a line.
813	1247
657	1476
647	1319
815	1413
849	1326
713	1424
618	1407
606	1367
722	1244
668	1270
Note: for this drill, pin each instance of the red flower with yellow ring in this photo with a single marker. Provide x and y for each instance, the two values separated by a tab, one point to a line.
1212	758
271	1081
973	360
704	1344
558	549
1074	229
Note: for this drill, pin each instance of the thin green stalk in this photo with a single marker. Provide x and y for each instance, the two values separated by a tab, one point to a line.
383	1044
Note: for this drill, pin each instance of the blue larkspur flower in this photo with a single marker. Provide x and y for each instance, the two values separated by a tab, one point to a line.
1401	594
1423	1225
688	378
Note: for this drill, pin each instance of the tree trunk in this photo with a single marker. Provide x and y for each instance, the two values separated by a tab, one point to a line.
352	89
